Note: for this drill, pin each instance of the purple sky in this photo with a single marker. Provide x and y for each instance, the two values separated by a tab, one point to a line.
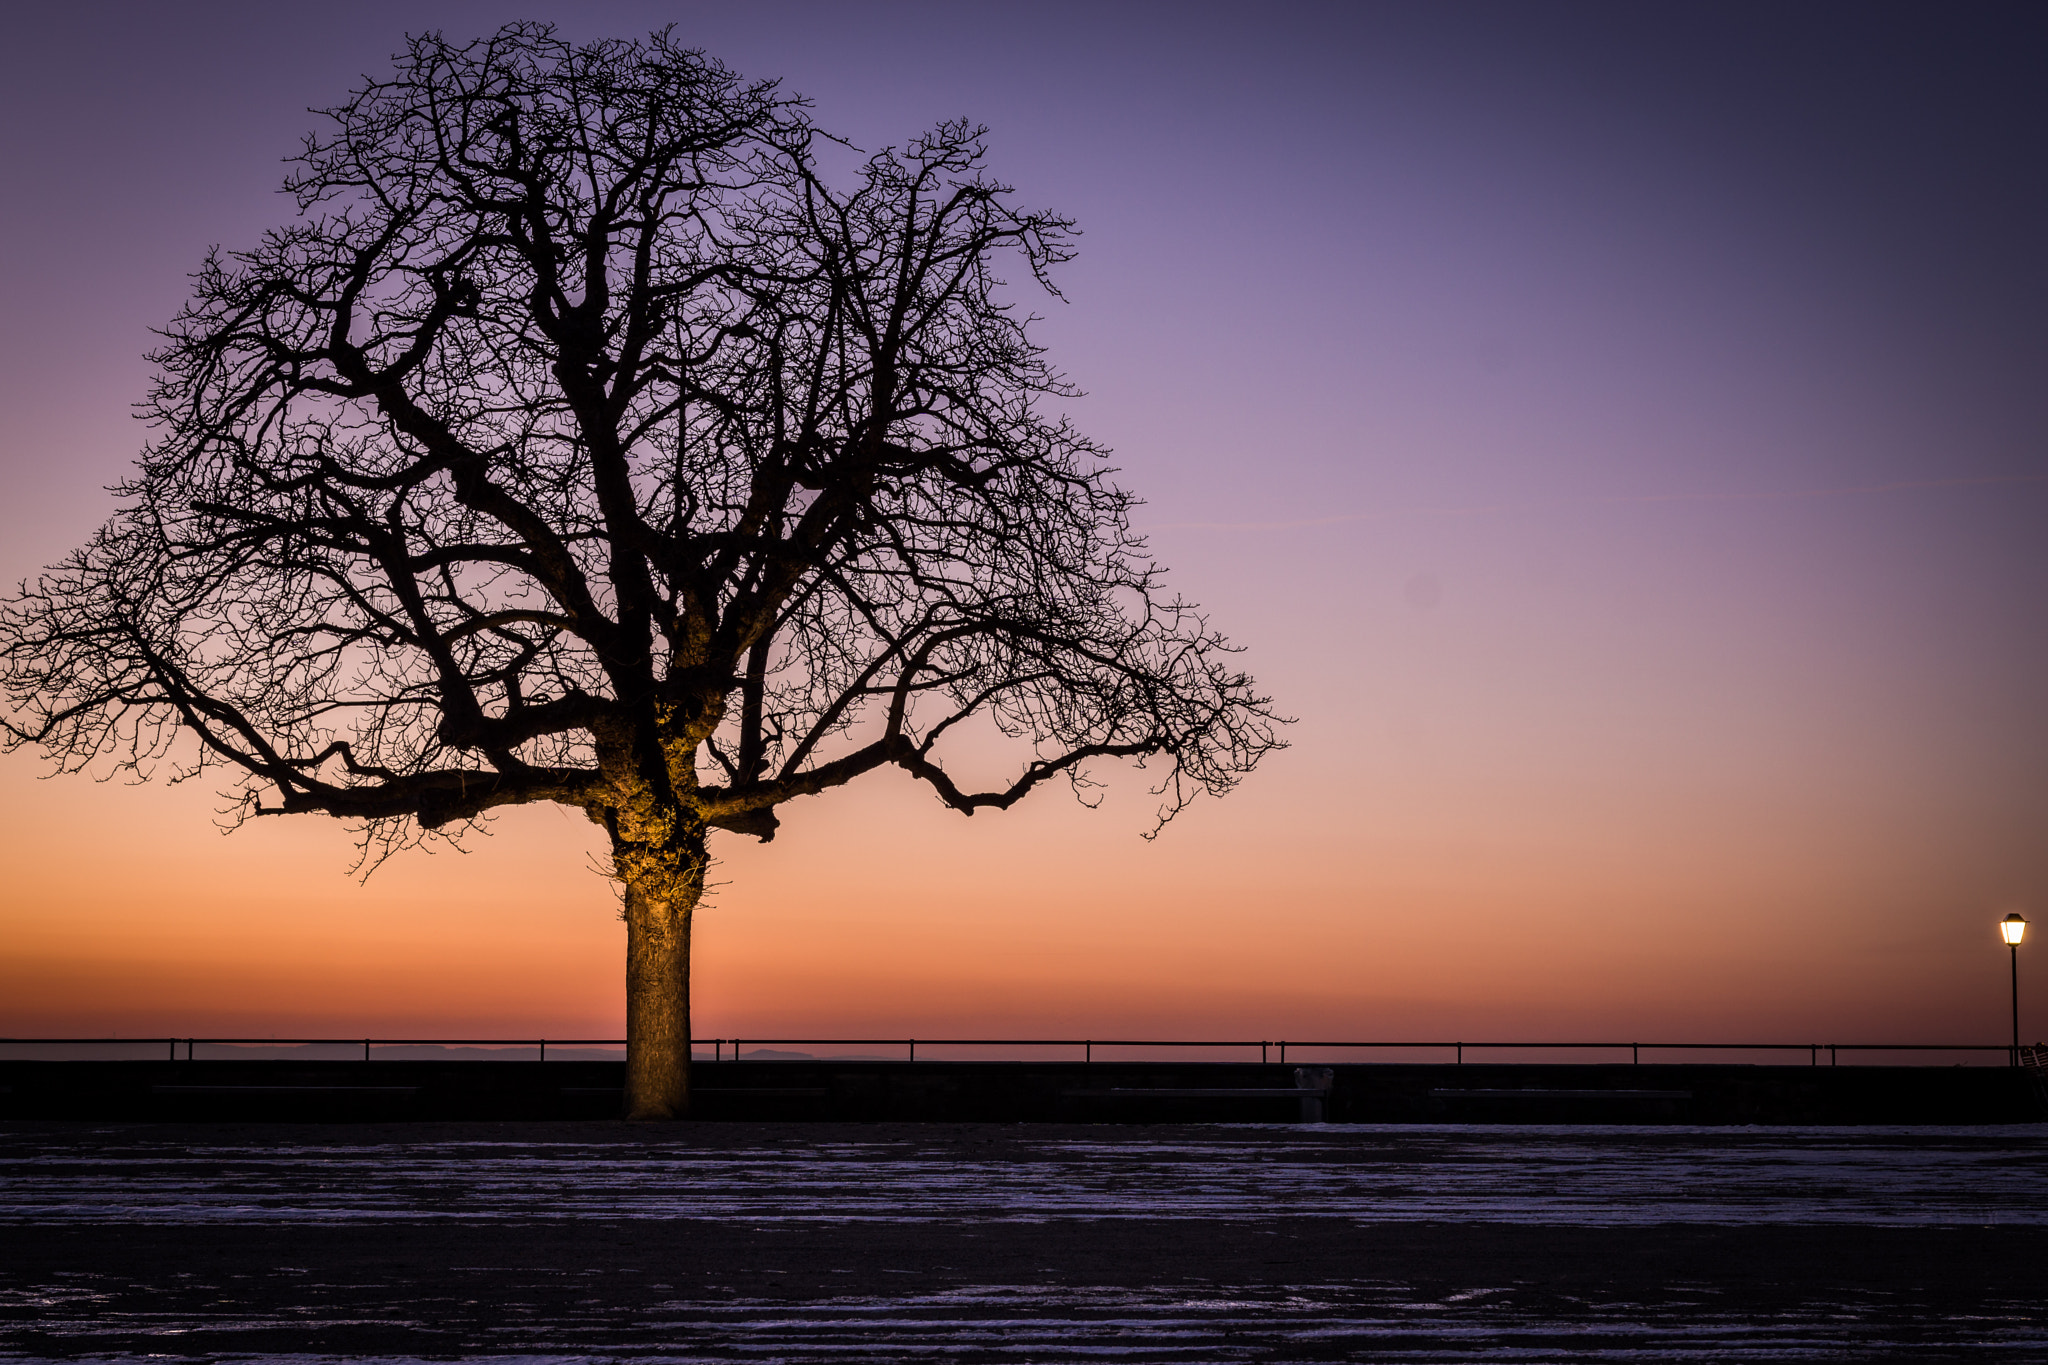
1617	432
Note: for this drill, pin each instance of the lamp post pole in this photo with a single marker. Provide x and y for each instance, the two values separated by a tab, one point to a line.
2014	928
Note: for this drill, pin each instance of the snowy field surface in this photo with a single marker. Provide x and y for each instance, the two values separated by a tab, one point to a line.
1545	1175
965	1243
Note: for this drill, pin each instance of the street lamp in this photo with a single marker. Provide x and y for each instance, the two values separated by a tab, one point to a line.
2013	928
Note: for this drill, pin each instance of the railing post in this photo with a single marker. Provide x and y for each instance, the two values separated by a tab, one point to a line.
1283	1052
366	1049
913	1049
1461	1053
1635	1054
1088	1051
174	1049
1262	1051
1833	1060
543	1049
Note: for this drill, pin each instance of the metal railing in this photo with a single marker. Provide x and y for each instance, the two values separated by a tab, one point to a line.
1087	1046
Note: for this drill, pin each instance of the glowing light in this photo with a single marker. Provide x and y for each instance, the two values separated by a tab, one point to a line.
2013	927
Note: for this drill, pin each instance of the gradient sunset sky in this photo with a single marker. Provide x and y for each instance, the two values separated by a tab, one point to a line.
1618	433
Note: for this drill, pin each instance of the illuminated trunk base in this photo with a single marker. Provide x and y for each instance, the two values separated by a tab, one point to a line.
657	1005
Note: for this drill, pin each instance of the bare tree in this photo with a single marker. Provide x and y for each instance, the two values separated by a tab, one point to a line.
579	441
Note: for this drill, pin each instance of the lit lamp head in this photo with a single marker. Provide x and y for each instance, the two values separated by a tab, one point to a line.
2014	927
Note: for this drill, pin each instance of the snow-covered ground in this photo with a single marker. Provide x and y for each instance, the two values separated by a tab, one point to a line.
1546	1175
802	1243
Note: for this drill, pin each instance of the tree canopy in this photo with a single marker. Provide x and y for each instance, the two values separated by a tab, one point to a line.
600	431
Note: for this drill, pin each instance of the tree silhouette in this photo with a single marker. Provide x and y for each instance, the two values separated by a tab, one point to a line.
579	441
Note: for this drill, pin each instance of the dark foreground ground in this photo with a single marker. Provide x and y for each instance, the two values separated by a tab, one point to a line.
968	1243
272	1089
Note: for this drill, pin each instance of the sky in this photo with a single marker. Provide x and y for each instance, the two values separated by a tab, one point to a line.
1615	432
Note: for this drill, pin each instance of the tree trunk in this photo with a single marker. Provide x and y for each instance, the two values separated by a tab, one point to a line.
663	884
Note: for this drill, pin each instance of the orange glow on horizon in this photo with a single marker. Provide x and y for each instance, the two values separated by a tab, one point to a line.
881	914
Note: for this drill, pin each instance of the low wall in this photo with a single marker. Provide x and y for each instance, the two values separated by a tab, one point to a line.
1010	1092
